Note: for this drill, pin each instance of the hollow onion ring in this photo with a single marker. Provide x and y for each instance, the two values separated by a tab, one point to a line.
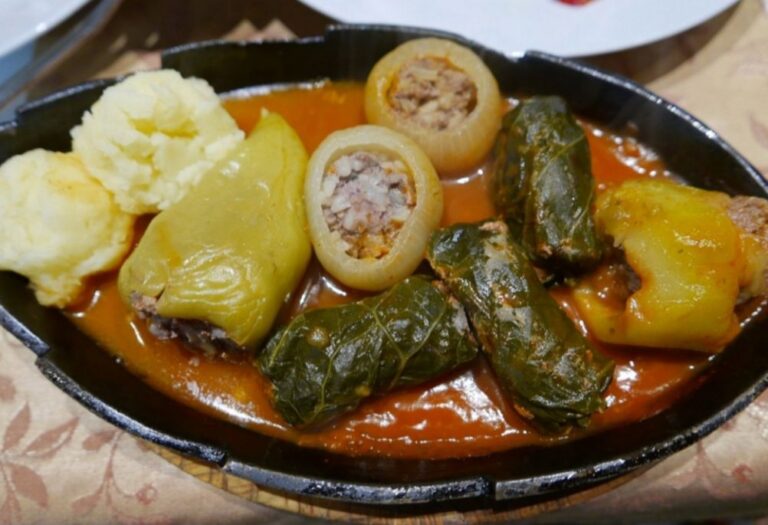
408	247
455	148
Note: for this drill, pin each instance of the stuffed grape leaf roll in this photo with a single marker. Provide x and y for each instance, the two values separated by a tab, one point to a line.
326	361
544	364
542	184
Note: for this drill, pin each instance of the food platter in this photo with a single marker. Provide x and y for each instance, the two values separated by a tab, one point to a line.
79	367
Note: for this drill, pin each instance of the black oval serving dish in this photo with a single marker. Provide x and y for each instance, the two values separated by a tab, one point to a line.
89	374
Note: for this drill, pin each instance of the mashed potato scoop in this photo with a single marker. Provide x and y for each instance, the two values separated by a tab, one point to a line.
151	137
58	224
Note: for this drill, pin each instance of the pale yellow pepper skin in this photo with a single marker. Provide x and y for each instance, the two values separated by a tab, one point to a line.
232	250
692	261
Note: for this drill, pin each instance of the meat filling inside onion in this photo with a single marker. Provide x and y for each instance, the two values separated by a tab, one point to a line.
433	94
366	198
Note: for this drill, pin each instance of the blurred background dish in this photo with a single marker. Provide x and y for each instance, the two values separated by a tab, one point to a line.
561	27
29	19
43	39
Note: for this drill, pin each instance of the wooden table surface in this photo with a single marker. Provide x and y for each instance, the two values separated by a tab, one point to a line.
61	464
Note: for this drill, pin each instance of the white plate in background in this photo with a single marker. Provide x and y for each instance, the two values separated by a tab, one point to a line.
25	20
600	26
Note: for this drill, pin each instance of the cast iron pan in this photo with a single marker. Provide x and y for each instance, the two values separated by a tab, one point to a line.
89	374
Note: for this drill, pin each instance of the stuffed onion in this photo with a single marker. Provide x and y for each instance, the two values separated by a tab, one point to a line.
441	95
553	376
326	361
542	184
215	267
373	199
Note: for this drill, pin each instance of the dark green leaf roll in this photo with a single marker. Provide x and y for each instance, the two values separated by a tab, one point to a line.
545	365
326	361
542	184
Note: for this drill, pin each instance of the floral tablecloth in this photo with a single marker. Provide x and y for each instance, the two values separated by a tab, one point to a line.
61	464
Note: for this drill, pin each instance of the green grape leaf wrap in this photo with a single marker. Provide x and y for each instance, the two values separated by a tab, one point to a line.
548	369
541	182
326	361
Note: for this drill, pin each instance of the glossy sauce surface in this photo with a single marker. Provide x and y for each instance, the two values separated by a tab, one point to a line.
463	414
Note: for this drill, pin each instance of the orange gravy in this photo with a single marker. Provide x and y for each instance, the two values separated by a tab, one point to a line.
458	415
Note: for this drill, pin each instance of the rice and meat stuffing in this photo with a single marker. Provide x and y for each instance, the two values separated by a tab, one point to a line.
433	94
366	198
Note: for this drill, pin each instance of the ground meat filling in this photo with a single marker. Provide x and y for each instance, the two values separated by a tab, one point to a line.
366	198
751	215
197	334
432	93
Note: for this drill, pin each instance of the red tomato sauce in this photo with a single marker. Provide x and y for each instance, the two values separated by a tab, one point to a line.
459	415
